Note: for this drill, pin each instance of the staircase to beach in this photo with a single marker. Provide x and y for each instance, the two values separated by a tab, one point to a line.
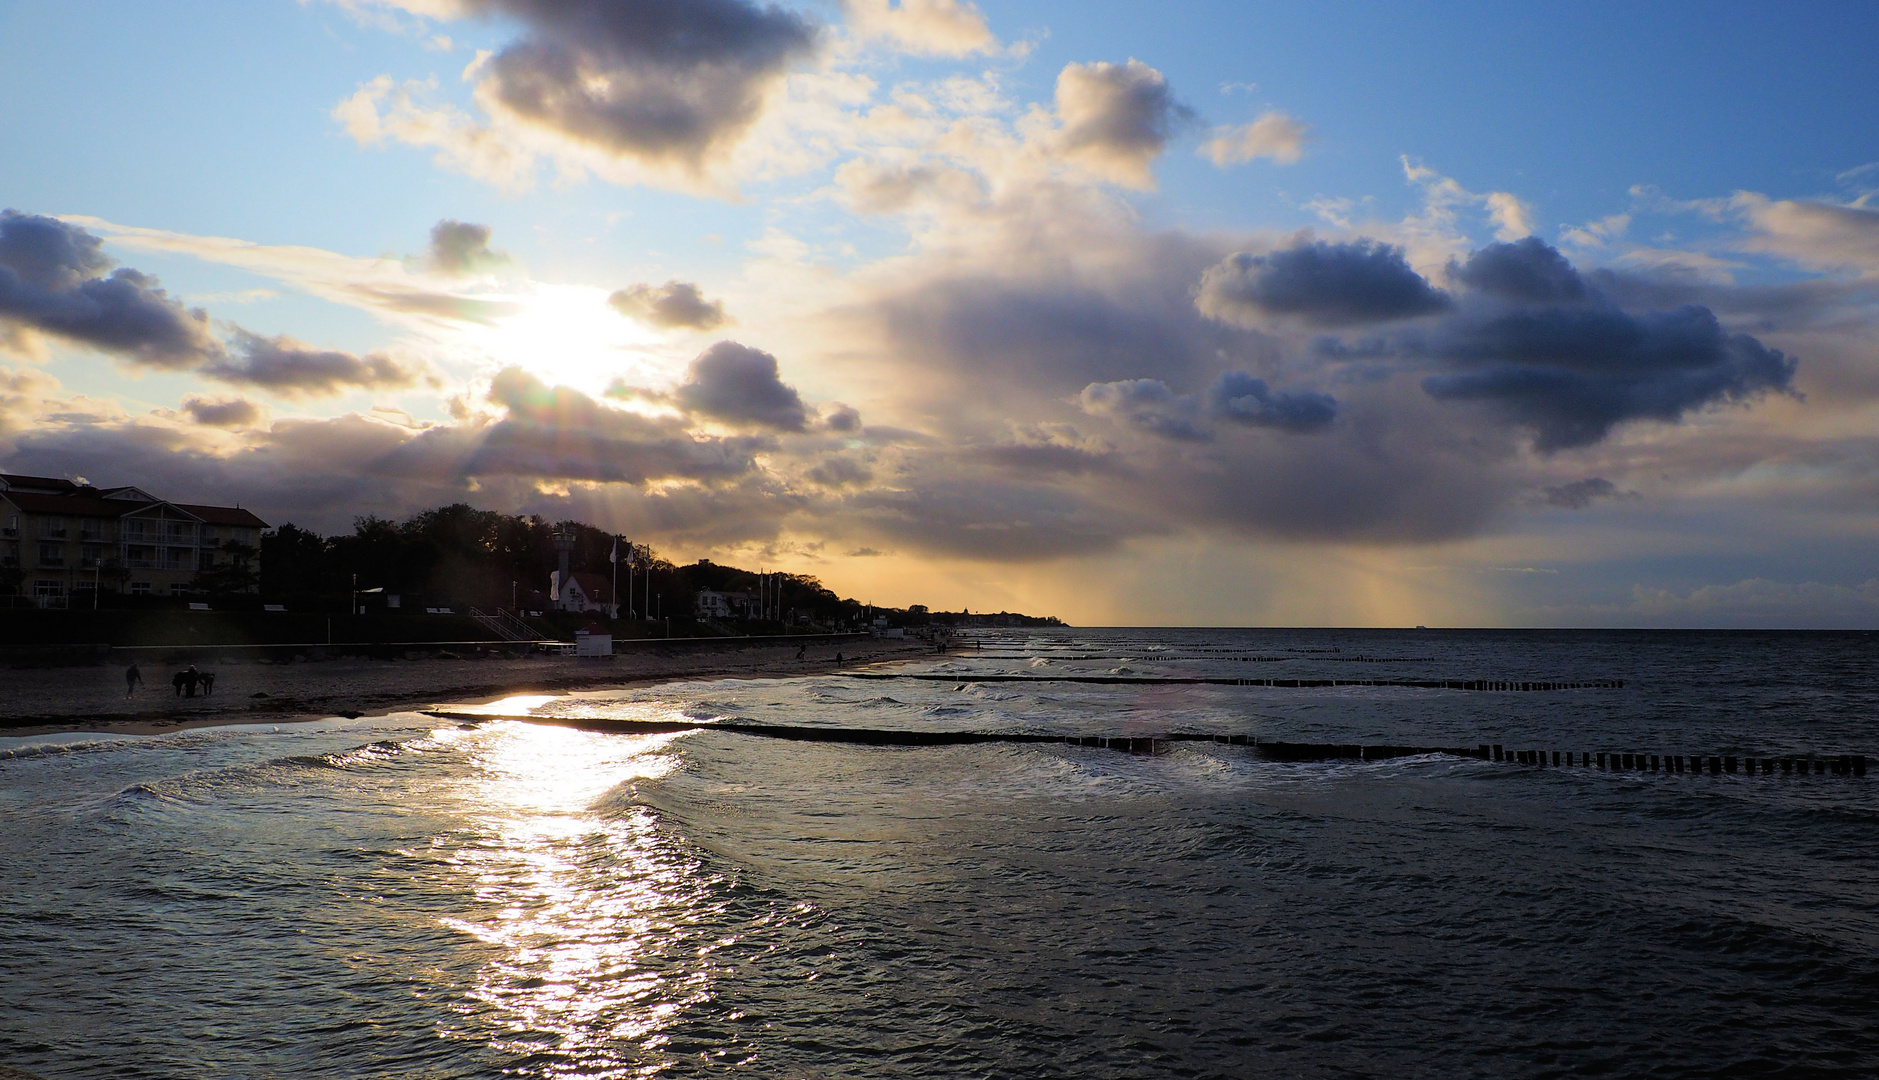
505	625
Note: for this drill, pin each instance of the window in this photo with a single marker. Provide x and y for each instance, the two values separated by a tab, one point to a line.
208	534
205	560
13	524
141	558
52	554
90	528
140	588
49	594
90	555
176	558
54	527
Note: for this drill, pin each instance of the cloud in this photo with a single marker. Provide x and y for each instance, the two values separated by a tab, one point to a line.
1274	135
1327	284
1148	404
675	304
229	413
841	418
923	27
1583	493
458	248
1817	234
840	470
1234	397
282	365
1117	118
1239	398
1758	603
1512	218
740	385
52	280
1571	374
1527	270
559	433
378	285
674	85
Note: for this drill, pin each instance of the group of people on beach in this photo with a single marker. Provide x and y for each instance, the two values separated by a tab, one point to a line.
186	681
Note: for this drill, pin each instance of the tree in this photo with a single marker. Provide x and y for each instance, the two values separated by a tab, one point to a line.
232	574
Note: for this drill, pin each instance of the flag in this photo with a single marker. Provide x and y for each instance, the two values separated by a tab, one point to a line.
614	555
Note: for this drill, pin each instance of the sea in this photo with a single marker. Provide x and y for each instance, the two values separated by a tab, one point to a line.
414	897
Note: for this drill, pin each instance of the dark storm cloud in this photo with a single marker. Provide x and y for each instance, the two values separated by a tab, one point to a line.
843	419
1239	398
1234	397
740	385
1583	493
238	412
1148	404
667	80
981	517
674	304
1057	336
840	470
1323	283
51	280
461	247
1526	270
559	433
285	366
1571	374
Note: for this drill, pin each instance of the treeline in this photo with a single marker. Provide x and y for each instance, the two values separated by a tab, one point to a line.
461	557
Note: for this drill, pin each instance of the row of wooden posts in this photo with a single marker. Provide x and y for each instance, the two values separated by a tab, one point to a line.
1715	764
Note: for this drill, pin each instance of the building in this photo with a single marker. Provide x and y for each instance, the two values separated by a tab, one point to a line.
713	604
582	591
61	537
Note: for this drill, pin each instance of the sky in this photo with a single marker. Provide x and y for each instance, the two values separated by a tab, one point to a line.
1448	314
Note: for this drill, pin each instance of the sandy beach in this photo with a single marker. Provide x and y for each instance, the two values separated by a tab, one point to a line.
39	701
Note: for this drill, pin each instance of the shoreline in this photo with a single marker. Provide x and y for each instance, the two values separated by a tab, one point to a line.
91	700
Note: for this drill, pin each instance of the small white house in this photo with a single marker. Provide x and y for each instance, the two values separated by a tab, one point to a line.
583	592
593	641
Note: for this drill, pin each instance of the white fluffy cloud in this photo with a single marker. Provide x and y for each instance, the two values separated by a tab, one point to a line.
1274	135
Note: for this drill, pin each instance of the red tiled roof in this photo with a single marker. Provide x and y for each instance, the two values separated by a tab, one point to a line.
223	515
17	480
71	505
95	506
597	588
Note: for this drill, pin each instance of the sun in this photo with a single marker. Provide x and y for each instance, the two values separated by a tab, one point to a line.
569	336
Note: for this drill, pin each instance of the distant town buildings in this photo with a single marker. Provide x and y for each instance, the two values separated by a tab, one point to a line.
714	604
61	537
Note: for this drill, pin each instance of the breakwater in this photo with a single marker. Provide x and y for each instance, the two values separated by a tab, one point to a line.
1488	685
1269	750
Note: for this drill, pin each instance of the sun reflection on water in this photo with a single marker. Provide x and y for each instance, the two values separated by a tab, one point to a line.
593	908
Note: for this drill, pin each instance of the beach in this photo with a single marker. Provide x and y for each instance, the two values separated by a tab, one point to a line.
39	701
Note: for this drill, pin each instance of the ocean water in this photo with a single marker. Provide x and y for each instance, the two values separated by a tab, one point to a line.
406	897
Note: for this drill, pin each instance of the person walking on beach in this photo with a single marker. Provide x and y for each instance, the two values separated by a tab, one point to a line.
177	680
191	677
132	680
207	681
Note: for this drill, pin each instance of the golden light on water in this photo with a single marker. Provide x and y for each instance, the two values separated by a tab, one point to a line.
586	901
